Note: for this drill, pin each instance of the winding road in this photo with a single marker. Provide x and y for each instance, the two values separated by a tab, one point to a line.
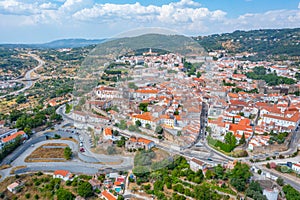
27	80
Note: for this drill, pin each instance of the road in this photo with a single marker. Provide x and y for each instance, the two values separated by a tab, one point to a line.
216	157
27	80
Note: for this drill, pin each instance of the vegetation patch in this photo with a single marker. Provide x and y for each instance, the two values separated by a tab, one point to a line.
4	167
48	153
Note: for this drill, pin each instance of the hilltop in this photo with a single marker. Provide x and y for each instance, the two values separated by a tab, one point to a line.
266	43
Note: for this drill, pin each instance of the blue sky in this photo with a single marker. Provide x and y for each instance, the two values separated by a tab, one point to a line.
29	21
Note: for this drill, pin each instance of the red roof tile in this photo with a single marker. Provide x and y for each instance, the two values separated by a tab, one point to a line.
12	137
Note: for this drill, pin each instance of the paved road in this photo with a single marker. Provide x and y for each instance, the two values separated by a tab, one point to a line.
20	150
76	165
288	179
27	80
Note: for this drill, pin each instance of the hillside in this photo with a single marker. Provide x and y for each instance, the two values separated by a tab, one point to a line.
268	43
56	44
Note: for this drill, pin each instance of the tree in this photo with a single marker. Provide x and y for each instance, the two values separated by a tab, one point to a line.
230	139
21	99
143	107
243	139
259	171
27	130
158	186
85	189
254	185
132	85
122	124
176	112
148	126
204	192
239	176
198	74
219	171
291	193
68	153
63	194
268	165
121	142
209	174
297	75
159	130
120	197
280	181
179	133
138	123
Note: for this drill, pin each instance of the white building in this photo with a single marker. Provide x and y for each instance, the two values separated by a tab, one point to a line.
145	118
282	121
271	194
15	186
105	92
196	164
296	167
63	174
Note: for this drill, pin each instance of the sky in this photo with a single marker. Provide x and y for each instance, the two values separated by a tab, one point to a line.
39	21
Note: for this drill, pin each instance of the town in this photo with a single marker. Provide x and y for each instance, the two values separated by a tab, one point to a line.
161	125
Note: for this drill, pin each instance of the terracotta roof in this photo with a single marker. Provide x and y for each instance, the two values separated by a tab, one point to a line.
108	195
199	162
294	118
147	91
145	141
145	116
64	173
13	136
107	131
297	165
233	95
117	183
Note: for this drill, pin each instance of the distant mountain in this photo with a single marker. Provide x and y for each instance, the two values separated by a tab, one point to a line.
56	44
265	43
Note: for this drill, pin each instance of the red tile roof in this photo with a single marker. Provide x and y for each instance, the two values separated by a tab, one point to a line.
107	131
12	137
145	116
108	195
64	173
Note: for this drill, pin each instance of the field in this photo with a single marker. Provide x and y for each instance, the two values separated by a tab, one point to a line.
52	152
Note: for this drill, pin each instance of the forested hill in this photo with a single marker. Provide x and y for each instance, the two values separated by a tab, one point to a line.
266	43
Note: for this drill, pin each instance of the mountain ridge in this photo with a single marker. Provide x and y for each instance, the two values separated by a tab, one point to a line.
56	44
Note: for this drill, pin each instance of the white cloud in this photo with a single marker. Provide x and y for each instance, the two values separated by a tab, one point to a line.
186	16
184	11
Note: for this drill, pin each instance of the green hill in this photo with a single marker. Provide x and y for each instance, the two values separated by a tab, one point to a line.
268	43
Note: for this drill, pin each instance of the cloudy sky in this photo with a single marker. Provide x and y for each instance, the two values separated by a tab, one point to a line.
38	21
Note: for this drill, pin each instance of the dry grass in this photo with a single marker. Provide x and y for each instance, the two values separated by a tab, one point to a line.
47	154
4	167
12	171
160	155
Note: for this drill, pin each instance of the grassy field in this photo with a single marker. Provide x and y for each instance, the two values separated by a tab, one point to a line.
43	154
